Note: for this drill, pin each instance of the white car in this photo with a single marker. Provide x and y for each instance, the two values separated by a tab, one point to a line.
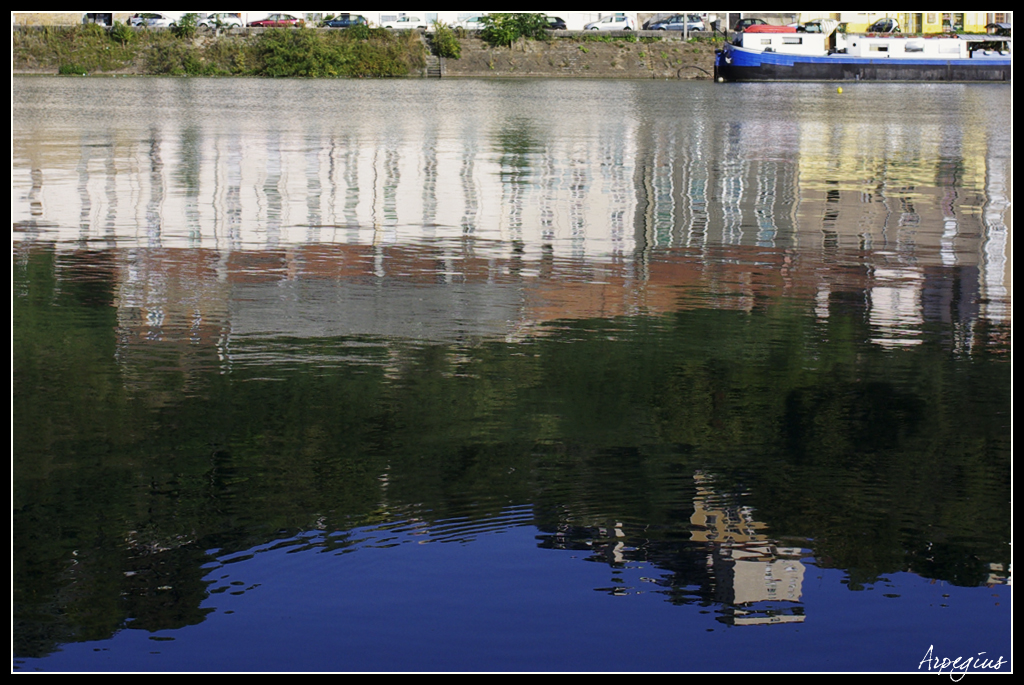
150	19
402	22
613	22
471	23
224	20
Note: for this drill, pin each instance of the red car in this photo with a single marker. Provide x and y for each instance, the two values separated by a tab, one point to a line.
279	20
744	24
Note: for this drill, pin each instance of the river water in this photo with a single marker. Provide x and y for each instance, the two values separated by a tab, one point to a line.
510	375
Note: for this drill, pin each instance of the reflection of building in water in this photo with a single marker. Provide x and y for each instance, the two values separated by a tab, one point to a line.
997	575
464	290
720	557
872	193
776	193
172	303
996	218
295	187
752	574
895	306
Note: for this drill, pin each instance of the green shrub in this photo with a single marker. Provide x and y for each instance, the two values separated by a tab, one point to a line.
77	49
358	32
166	58
187	26
71	70
311	53
276	52
505	29
225	57
121	33
93	30
600	37
445	42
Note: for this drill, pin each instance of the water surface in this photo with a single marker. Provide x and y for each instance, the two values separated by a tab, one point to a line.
510	375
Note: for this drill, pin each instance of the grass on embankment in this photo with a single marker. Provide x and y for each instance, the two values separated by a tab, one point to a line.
94	49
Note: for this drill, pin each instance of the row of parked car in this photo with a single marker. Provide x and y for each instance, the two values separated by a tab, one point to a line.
616	22
612	22
234	20
216	19
886	25
398	22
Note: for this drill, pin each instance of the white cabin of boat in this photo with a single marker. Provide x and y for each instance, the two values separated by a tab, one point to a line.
868	45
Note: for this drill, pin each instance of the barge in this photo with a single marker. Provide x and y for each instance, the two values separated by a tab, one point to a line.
787	54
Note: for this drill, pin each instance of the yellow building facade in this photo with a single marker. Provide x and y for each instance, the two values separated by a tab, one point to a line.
915	22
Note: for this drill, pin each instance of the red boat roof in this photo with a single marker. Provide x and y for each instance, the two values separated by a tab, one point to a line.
768	28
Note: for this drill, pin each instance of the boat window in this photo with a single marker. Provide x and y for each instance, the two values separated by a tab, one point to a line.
878	47
766	41
792	40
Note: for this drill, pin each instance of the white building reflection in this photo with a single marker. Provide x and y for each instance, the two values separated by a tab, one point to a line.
532	186
758	581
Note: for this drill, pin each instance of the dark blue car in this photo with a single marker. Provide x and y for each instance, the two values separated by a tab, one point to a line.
344	21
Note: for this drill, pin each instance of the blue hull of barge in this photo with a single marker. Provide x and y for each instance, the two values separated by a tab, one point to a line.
738	64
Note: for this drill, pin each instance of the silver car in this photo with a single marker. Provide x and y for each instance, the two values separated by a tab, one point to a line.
678	22
613	22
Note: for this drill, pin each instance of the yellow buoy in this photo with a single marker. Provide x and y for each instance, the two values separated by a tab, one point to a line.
839	89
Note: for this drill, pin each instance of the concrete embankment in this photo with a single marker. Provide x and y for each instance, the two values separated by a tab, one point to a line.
657	57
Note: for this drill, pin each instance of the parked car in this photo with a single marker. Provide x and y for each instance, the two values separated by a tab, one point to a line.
344	21
150	19
744	24
402	22
886	25
279	20
471	23
101	18
821	26
222	20
556	24
612	22
678	22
